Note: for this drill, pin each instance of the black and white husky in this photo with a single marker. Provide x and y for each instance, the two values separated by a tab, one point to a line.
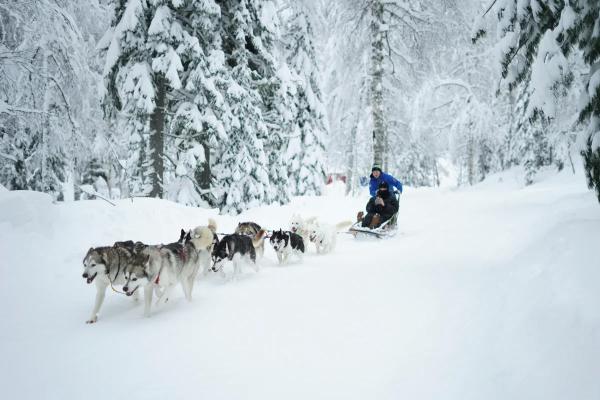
236	248
251	229
286	243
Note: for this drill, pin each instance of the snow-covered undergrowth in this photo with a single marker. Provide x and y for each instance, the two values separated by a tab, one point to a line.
489	292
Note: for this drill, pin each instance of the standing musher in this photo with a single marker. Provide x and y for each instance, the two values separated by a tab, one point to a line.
378	176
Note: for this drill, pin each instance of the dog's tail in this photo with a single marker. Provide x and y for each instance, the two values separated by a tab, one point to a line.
343	225
258	238
212	225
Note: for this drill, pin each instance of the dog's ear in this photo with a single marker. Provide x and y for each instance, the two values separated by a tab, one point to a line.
188	237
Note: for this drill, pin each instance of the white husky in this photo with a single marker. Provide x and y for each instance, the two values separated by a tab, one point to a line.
302	226
324	235
205	239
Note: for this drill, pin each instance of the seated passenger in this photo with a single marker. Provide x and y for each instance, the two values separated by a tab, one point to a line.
379	208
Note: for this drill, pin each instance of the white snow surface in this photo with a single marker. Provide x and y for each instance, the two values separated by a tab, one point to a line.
487	293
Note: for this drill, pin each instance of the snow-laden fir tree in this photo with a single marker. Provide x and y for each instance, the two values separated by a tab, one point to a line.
242	166
196	128
541	34
131	91
306	151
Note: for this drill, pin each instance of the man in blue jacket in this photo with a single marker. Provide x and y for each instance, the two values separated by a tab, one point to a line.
378	176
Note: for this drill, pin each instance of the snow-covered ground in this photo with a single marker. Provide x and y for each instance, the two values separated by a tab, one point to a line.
490	292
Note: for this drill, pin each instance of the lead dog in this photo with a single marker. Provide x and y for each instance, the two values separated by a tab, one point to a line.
165	266
286	243
106	266
236	248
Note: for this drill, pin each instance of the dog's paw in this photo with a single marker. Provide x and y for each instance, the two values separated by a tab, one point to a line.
92	320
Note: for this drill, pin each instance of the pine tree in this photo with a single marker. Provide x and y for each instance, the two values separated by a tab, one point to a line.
196	127
142	68
242	166
541	34
306	168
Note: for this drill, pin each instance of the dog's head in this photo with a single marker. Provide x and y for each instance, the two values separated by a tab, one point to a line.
184	237
203	238
135	276
247	228
296	224
93	264
314	234
279	240
219	255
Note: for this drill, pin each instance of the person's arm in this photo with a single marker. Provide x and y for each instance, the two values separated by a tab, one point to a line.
371	205
372	187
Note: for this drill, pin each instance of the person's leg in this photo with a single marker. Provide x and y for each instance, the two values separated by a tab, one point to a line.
375	221
366	221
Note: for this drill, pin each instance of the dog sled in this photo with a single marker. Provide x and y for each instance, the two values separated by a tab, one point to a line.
387	229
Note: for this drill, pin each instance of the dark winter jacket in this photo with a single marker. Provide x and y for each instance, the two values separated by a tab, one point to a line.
383	177
389	208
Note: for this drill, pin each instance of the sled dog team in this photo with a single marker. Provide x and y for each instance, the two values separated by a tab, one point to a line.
157	269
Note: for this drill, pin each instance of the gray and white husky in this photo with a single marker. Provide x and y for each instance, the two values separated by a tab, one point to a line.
165	266
106	266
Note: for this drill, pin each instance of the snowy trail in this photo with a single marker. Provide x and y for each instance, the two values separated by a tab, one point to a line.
486	293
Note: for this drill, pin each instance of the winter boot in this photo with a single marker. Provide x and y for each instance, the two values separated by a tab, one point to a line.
359	216
375	221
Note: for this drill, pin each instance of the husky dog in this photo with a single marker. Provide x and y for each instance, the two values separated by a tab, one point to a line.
324	236
205	239
165	266
302	226
286	243
251	229
106	266
235	247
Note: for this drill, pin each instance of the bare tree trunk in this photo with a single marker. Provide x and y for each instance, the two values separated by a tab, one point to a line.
157	126
471	159
377	58
351	170
203	176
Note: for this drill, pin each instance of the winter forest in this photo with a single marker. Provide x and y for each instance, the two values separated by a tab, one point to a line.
236	103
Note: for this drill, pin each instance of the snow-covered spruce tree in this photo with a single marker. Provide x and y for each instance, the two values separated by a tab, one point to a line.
130	92
242	166
142	69
196	129
276	85
540	34
306	167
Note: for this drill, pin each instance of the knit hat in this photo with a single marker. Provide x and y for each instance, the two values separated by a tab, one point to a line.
376	167
383	185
